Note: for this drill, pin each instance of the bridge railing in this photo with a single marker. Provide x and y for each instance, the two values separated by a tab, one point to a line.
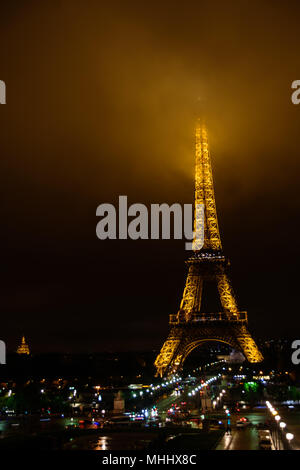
183	317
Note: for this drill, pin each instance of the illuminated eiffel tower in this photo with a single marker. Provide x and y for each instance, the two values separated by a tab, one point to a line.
190	326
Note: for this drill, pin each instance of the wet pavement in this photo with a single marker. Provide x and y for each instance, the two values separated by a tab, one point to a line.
243	438
116	441
240	439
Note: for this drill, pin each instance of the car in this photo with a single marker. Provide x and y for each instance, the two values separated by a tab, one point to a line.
243	423
264	437
216	424
72	426
265	443
119	421
264	434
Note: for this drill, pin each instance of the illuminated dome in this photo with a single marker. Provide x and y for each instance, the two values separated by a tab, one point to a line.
23	348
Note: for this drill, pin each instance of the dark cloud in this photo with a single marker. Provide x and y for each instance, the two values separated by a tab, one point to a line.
101	100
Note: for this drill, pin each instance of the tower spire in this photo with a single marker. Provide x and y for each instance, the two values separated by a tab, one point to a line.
204	189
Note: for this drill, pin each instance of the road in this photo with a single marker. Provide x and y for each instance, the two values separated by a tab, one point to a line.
114	441
239	439
28	425
243	439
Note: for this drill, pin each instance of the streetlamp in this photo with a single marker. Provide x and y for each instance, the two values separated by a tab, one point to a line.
289	436
277	418
282	425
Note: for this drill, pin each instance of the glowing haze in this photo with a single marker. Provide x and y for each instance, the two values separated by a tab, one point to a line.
101	101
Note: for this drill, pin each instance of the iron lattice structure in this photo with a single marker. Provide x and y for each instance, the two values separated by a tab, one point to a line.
190	326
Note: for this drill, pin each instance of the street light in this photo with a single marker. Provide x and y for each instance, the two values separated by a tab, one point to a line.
289	436
277	417
282	425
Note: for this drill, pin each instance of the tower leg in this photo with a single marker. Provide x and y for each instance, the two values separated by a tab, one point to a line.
248	346
183	339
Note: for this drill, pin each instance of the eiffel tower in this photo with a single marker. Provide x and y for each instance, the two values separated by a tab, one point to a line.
190	326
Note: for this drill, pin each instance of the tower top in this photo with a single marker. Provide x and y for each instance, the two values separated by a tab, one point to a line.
204	189
23	348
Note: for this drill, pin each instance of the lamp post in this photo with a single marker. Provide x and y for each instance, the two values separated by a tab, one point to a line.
289	437
277	418
282	425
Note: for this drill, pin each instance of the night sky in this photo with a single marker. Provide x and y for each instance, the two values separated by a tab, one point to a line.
100	103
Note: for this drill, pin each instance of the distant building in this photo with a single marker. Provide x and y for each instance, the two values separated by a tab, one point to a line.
23	348
223	357
119	403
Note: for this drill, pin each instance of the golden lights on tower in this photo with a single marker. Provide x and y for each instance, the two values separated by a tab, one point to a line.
191	326
23	348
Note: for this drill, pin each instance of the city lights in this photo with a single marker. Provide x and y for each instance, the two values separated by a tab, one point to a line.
289	436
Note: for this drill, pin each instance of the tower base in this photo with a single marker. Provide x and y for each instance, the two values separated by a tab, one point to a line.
183	338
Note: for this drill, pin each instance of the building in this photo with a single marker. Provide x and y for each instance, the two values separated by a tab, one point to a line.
23	348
